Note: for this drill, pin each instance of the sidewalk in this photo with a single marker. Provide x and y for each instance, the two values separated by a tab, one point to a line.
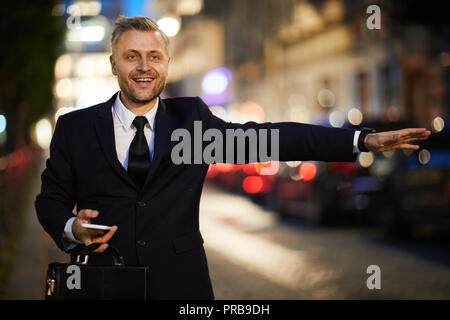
36	250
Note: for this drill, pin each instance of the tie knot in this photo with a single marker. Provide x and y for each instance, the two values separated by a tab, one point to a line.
139	122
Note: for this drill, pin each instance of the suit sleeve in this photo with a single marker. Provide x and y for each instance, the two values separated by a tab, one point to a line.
55	202
296	141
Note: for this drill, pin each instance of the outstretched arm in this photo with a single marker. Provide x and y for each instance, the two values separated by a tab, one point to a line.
299	141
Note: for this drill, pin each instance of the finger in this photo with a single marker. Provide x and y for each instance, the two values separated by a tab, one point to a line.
88	214
95	233
102	248
106	237
407	146
415	136
413	139
414	132
396	138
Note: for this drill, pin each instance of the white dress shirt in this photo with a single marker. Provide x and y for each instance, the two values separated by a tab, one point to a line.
124	132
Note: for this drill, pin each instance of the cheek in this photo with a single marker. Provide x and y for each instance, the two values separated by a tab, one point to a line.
125	71
162	70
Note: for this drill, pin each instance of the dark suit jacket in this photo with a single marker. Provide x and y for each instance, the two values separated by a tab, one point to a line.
158	226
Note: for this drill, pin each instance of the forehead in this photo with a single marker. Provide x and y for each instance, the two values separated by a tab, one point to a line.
141	41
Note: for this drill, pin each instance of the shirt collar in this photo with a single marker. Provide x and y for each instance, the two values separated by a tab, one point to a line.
126	117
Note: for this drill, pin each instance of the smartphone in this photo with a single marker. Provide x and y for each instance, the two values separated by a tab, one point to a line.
95	226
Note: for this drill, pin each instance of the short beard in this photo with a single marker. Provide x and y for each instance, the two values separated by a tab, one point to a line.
129	94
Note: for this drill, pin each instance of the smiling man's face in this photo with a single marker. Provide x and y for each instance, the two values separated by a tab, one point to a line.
140	60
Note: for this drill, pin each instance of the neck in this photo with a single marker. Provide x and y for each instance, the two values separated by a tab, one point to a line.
139	109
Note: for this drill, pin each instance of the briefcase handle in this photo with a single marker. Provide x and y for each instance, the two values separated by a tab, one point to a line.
117	258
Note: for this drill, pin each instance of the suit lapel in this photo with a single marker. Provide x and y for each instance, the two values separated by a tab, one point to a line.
104	126
165	123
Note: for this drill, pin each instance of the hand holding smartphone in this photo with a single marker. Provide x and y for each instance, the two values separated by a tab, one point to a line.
89	233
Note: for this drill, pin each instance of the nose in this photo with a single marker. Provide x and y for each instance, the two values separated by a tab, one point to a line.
143	66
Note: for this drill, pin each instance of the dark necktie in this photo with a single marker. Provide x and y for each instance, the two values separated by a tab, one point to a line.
139	155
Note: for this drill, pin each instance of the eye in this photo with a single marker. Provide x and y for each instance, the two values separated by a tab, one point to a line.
131	57
154	57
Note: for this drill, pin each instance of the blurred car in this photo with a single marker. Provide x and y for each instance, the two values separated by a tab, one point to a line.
243	179
420	191
322	193
326	193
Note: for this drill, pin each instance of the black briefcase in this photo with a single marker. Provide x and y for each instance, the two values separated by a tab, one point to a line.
81	281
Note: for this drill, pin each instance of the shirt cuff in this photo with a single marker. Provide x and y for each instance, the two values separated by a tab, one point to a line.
68	239
355	141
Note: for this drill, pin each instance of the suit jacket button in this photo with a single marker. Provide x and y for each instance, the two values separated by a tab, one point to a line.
142	243
142	203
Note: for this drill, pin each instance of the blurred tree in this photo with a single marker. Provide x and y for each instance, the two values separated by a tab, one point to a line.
31	40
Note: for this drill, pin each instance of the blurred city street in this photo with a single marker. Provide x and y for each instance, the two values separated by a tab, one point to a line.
350	194
252	255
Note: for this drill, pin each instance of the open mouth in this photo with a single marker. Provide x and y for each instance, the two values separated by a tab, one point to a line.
140	80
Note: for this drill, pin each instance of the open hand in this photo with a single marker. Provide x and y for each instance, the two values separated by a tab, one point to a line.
398	139
89	236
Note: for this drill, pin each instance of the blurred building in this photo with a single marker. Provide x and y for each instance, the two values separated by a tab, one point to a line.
317	61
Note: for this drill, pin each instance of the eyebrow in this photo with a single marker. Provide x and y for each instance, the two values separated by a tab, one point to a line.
151	51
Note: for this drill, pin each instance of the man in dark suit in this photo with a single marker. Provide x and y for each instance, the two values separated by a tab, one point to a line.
113	161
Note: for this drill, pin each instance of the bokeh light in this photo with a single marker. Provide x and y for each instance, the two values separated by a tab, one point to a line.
388	154
212	171
216	81
336	119
189	7
393	113
220	112
299	113
62	111
3	123
326	98
424	156
354	116
437	124
63	66
267	168
293	164
366	159
86	34
253	112
88	8
308	171
64	88
169	25
43	133
253	184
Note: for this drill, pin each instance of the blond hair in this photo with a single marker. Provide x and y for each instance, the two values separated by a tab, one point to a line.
123	24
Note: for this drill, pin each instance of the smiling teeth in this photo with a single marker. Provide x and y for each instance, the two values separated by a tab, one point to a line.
144	80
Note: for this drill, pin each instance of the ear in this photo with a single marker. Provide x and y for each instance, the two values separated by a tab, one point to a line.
113	65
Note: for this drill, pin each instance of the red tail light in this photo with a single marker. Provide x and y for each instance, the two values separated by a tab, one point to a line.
252	184
257	184
308	171
248	169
